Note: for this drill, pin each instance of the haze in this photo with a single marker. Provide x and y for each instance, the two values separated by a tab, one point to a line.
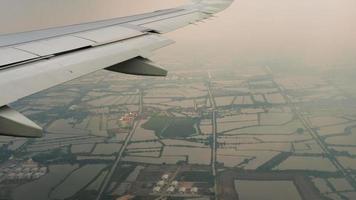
275	32
260	98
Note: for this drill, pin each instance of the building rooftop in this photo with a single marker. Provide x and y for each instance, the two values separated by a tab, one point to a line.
170	189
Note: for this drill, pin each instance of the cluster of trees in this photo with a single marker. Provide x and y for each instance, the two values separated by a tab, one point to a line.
56	155
5	153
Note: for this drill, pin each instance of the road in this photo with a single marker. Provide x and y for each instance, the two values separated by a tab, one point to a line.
164	193
308	126
214	149
117	161
122	150
214	134
228	177
324	147
140	110
214	129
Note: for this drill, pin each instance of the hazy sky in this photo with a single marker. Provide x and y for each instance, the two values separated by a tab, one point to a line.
271	32
24	15
251	32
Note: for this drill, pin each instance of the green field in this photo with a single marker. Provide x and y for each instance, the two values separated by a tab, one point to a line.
171	127
195	176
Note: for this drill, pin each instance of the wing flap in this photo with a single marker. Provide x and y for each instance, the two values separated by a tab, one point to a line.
34	61
55	45
109	34
20	48
20	38
20	81
170	24
10	55
178	13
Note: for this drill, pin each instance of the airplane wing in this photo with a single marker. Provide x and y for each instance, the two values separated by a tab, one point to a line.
33	61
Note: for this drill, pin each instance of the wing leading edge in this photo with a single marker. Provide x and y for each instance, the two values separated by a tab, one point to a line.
33	61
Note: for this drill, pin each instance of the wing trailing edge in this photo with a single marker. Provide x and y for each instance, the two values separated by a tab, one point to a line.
33	61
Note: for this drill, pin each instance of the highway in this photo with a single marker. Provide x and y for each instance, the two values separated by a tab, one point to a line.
324	147
214	149
308	126
214	134
122	150
117	161
214	130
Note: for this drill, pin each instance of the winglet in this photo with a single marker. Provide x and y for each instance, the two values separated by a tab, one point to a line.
13	123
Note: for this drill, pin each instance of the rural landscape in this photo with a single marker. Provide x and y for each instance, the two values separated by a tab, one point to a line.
196	134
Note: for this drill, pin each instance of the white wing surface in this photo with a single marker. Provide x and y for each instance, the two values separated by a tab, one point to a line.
33	61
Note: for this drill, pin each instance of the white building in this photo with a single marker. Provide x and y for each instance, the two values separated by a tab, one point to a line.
170	189
26	170
194	190
160	183
182	190
20	175
156	189
165	177
174	183
37	175
30	164
28	175
73	107
19	169
34	169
